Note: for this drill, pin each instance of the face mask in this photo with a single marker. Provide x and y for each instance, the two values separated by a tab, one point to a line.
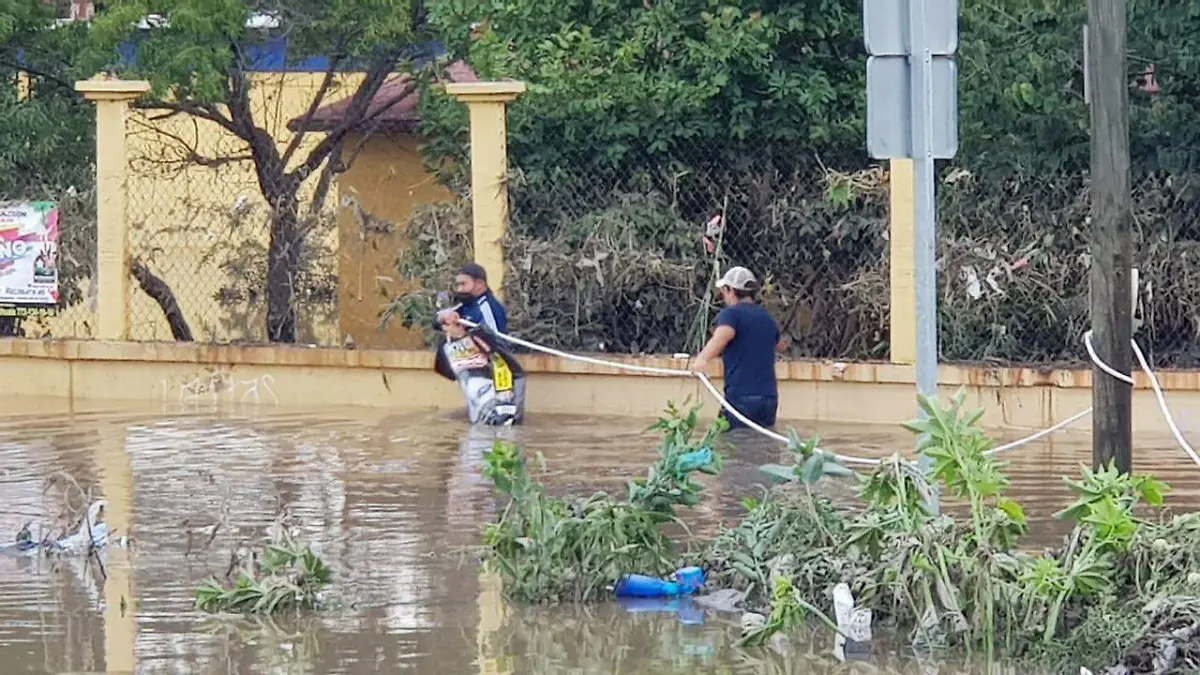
463	298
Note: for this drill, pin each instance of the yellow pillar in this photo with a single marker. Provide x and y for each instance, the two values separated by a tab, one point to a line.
488	104
491	619
902	220
116	483
112	98
24	86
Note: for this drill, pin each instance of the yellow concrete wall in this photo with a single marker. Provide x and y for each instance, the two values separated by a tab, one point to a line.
176	374
198	226
188	222
385	182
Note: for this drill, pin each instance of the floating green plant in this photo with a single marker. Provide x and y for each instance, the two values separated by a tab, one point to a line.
286	575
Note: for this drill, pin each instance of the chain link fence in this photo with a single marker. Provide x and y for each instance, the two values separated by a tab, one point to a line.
623	256
200	238
618	250
615	247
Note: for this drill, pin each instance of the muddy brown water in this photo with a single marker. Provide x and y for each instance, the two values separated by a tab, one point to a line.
392	501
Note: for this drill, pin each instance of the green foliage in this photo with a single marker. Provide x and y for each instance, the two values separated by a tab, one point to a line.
192	58
949	582
285	576
48	144
953	441
789	612
548	549
811	462
616	80
967	582
1104	509
665	114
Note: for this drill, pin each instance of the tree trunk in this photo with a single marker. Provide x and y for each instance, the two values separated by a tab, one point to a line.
160	291
283	262
10	326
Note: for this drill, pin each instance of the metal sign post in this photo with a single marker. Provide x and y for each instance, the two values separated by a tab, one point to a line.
912	113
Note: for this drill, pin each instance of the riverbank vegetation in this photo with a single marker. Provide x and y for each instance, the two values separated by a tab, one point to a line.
1122	591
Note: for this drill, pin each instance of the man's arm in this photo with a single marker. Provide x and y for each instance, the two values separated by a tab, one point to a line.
487	316
716	344
441	364
783	344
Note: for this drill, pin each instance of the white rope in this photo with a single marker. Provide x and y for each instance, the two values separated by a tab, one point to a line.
1040	434
849	459
1127	379
1162	403
672	372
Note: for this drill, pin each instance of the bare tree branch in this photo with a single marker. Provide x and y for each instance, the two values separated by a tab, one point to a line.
313	106
188	151
161	293
332	169
355	114
273	181
199	110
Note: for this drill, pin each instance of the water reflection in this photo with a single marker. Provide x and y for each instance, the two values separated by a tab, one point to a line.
393	503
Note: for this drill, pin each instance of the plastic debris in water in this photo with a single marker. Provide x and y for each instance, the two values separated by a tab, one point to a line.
688	580
683	607
854	625
695	459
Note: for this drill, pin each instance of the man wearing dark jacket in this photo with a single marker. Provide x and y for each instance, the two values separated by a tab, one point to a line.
475	302
492	381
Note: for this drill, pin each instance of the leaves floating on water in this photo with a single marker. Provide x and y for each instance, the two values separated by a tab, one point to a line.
285	575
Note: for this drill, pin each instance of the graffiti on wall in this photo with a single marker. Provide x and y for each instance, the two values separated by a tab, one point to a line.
217	385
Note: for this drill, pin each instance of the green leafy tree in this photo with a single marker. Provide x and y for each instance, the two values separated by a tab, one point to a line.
48	143
196	56
1021	87
614	79
646	118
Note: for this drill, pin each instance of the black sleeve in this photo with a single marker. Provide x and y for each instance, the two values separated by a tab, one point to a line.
498	346
441	364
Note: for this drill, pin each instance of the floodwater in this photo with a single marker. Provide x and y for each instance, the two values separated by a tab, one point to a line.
393	503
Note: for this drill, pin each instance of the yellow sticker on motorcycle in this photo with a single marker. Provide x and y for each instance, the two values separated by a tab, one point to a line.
502	376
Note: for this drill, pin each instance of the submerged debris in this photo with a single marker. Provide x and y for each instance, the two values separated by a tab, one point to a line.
91	534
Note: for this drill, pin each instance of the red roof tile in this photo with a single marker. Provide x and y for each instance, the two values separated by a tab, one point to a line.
393	109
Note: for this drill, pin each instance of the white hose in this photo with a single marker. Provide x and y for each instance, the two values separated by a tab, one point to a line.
670	372
1162	403
849	459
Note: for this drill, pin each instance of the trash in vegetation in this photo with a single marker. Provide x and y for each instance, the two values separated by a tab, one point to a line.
688	580
853	624
286	575
724	600
547	549
1121	596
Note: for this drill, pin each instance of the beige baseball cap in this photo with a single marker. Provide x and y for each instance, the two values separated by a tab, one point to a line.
738	278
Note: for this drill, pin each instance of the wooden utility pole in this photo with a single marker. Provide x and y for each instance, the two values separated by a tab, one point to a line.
1111	234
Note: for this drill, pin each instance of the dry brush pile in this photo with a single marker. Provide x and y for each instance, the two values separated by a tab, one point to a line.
632	271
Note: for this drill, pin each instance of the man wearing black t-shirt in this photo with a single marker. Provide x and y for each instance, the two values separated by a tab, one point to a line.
746	338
